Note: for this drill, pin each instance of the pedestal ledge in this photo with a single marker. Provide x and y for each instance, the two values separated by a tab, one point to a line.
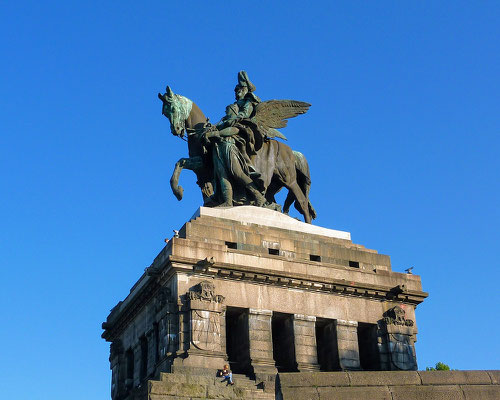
265	217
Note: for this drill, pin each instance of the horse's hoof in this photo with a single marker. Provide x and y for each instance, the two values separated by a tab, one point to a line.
179	193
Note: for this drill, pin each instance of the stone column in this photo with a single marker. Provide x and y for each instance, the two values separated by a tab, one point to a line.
261	342
306	353
347	339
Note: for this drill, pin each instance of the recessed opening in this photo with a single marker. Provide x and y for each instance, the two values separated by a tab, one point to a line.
274	252
354	264
314	257
368	348
327	345
232	245
283	342
237	340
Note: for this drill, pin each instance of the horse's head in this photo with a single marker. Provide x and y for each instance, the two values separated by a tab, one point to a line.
177	109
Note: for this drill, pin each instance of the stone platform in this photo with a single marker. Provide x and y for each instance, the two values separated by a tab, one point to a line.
264	293
392	385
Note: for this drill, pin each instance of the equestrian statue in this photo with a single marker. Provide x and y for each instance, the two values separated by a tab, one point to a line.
238	161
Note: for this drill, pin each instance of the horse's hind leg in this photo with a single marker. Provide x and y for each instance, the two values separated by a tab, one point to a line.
301	201
290	198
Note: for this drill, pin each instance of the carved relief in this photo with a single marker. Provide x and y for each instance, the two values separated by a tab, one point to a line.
205	327
205	291
396	316
205	317
400	348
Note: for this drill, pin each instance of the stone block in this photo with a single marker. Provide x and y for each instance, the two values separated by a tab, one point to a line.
384	378
354	393
494	376
306	351
348	354
259	325
454	377
481	392
303	393
261	335
349	364
314	379
176	389
422	392
261	345
305	341
260	354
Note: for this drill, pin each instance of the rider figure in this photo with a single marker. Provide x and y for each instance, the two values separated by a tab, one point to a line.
231	161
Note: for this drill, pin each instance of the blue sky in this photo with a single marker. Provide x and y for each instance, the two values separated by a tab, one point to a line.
402	140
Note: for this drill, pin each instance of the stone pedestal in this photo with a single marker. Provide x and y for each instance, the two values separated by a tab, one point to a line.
304	327
250	287
347	337
261	342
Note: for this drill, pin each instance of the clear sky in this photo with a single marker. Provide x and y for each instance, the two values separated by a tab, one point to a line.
402	140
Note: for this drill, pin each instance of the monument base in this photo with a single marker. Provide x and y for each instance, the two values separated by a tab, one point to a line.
264	293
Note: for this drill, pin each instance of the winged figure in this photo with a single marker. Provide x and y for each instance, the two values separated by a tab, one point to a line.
274	114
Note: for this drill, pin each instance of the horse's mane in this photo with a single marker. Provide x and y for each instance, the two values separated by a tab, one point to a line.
185	105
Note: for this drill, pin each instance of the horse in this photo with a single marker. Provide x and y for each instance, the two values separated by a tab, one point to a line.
278	164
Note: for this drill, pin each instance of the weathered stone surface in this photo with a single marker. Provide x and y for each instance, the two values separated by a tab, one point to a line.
354	393
174	389
262	274
454	377
494	376
481	392
420	392
314	379
382	378
309	393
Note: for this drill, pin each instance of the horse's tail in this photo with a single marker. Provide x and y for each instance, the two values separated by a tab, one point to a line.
304	179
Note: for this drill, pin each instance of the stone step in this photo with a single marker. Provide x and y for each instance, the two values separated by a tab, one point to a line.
177	385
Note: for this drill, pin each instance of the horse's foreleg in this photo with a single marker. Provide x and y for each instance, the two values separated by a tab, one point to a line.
192	163
174	180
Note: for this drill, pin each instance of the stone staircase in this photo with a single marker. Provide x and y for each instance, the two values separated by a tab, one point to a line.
178	386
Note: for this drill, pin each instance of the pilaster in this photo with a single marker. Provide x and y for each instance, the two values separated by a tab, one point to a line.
261	342
347	339
306	355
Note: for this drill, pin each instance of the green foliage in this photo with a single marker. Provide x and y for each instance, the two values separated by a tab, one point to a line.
439	367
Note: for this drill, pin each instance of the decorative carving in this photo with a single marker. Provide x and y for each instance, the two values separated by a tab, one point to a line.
205	333
204	264
396	316
205	291
206	308
400	340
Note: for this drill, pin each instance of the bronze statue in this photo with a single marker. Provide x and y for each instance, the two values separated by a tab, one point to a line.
237	161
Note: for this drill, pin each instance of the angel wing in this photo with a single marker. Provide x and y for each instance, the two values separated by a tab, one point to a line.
274	114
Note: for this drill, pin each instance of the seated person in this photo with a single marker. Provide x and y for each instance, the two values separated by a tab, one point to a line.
227	375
